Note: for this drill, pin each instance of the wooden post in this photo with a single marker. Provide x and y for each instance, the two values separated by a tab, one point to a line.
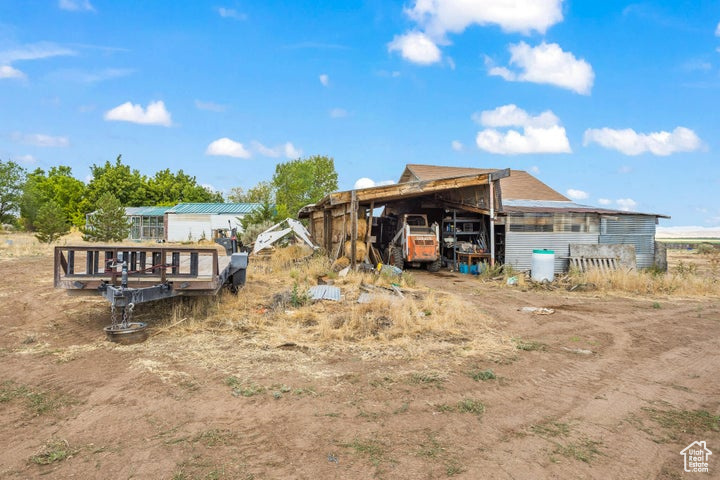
492	224
353	228
343	237
368	237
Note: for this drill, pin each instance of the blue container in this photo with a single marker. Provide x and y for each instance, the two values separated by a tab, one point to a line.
474	269
464	268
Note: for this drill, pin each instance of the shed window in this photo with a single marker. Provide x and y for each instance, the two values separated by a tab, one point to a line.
553	222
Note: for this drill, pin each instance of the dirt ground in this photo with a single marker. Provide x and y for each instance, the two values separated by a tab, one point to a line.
605	387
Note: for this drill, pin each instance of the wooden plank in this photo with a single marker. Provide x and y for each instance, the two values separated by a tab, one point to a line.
367	234
409	189
464	206
353	228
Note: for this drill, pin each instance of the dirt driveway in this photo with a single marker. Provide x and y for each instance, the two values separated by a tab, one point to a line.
604	387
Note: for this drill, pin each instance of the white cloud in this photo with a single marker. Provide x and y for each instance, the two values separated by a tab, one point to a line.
450	63
416	47
625	169
40	139
532	140
576	194
231	13
629	142
34	51
456	145
717	30
225	147
438	17
540	134
324	79
210	106
512	116
365	182
287	149
291	152
76	5
91	77
26	159
547	63
535	169
209	187
266	151
626	204
155	114
6	71
338	113
604	201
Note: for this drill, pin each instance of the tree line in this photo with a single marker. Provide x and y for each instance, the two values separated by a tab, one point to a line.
49	203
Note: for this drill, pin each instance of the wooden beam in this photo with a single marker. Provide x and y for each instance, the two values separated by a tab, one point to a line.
353	228
498	174
368	237
410	189
492	226
463	206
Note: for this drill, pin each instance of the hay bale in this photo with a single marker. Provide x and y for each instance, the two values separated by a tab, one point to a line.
360	250
362	228
340	263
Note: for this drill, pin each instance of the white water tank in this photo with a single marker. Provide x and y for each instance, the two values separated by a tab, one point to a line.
543	265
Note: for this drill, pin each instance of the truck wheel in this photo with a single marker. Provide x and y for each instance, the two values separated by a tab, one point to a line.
396	258
435	265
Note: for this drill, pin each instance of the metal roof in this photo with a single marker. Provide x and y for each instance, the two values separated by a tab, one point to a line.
549	206
146	211
215	208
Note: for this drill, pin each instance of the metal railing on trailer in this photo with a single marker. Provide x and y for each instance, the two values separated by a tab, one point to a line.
130	275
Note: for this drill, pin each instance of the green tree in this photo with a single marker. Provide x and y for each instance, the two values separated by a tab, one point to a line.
261	193
128	186
50	222
167	188
265	213
12	177
108	222
57	185
303	181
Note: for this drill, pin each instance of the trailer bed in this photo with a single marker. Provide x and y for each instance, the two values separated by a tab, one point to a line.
82	269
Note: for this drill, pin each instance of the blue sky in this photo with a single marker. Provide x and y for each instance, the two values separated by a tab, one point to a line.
612	103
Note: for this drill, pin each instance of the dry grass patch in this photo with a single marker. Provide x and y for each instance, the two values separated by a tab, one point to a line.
680	280
265	312
21	244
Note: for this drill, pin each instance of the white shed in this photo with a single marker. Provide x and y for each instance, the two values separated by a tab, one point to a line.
194	221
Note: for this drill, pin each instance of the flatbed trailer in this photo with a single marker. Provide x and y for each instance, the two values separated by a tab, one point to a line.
128	275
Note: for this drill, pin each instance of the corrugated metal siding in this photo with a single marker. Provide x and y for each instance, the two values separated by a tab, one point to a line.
638	230
519	247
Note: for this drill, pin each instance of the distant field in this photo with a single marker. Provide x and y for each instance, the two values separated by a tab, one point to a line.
689	240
